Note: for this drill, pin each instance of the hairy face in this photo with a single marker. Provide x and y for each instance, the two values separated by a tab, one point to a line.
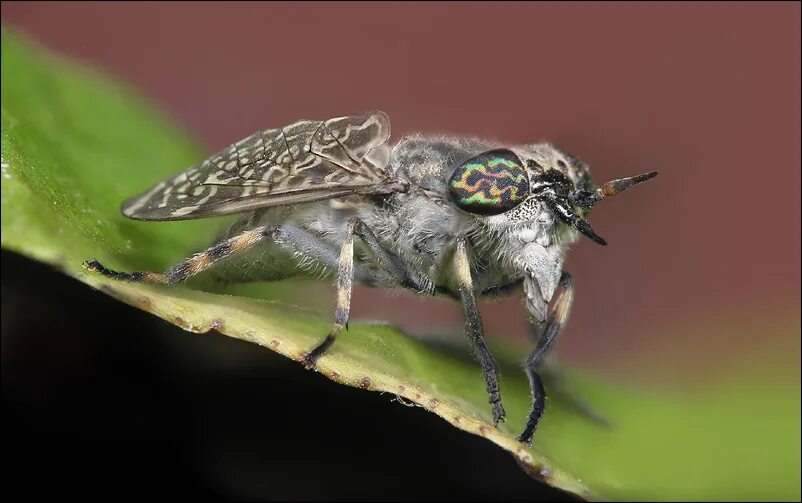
552	177
534	234
530	239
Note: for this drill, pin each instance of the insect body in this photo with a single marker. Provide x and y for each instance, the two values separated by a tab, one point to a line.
464	218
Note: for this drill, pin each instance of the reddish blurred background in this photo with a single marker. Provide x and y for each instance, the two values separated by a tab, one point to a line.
707	93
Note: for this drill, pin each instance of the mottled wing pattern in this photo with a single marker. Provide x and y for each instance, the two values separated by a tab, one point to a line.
305	161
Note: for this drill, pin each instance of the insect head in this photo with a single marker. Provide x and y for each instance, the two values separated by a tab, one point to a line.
497	181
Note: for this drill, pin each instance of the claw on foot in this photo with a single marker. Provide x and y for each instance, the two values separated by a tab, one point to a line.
312	357
526	441
92	265
499	415
309	361
95	266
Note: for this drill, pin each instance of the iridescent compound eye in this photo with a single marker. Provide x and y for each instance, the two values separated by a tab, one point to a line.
490	183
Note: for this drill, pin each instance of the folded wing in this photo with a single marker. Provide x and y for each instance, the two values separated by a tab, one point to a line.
305	161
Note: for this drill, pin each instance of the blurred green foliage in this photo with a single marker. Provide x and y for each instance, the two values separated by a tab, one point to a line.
75	144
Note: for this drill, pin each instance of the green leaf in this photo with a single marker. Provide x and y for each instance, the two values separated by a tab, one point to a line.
75	144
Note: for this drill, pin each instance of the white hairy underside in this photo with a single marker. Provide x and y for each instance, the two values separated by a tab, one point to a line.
534	246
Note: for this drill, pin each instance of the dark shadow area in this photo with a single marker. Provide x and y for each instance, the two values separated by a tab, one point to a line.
100	398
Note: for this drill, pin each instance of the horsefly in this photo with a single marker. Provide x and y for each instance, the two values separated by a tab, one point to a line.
438	215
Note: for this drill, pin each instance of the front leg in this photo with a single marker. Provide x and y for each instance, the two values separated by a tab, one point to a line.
474	330
554	323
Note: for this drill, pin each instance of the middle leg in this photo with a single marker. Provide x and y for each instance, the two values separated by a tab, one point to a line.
388	262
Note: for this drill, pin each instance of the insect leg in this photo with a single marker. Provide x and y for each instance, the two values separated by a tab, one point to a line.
345	280
554	323
499	291
388	261
474	330
194	264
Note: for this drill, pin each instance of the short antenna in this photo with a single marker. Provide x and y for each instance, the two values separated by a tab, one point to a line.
586	199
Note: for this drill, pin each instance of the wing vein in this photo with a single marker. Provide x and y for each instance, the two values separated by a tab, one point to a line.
262	175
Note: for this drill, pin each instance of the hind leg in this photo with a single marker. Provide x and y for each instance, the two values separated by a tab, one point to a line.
294	241
193	265
298	242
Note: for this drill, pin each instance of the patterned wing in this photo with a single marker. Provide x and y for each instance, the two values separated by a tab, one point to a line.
305	161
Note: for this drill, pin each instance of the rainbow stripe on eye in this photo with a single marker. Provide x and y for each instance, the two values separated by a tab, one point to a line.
490	183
